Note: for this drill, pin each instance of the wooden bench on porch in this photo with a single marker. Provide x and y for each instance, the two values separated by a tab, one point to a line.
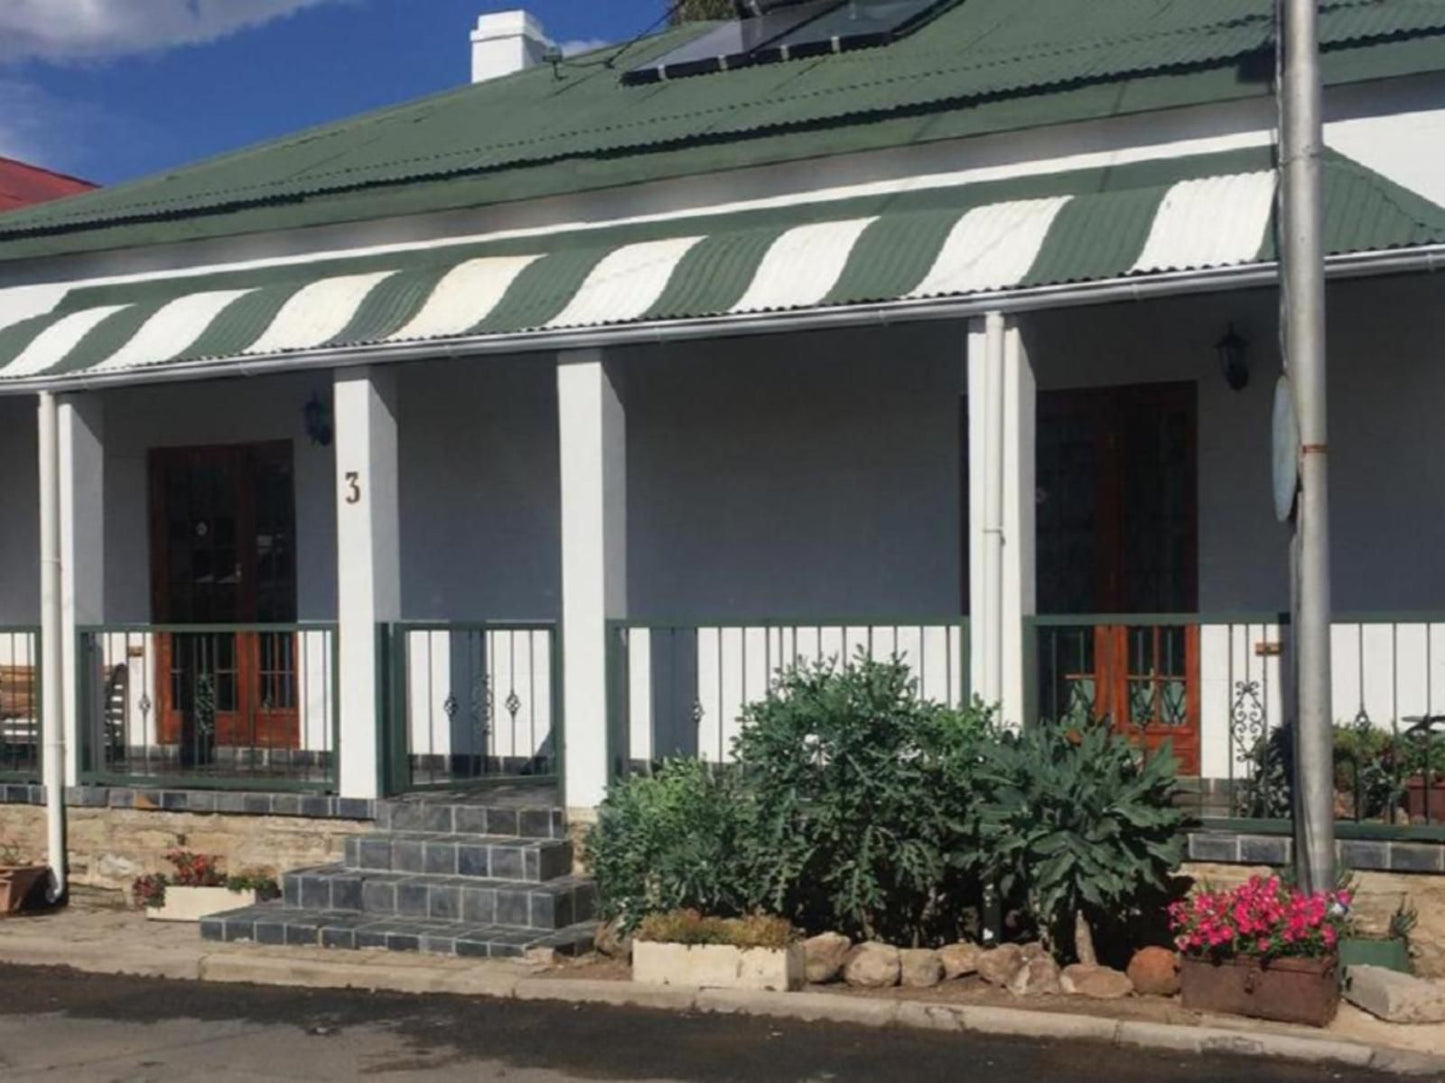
18	706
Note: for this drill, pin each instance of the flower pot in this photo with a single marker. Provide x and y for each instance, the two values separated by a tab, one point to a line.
194	903
1286	990
16	884
1422	802
718	966
1392	953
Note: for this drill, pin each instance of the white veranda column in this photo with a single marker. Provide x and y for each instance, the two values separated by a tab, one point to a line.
367	559
593	431
81	438
1001	502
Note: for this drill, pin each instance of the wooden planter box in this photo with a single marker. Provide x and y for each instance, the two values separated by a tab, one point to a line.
1286	990
194	903
1392	953
16	884
1420	801
718	966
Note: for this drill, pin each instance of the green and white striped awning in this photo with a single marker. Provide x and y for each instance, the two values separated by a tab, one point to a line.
888	245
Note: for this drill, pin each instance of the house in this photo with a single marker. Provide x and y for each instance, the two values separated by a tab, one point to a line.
520	433
22	185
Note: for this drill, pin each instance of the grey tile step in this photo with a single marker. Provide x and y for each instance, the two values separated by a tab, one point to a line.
487	857
513	903
278	924
462	817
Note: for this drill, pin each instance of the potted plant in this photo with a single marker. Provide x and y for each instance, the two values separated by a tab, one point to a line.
1391	951
1367	780
684	948
1423	766
1264	949
197	888
17	878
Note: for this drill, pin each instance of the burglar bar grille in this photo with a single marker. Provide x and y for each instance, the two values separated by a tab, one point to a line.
209	706
677	689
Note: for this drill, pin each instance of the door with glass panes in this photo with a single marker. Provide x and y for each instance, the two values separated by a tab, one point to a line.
223	523
1117	535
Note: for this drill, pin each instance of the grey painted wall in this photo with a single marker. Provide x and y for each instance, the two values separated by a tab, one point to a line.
219	412
480	505
809	475
19	512
1387	472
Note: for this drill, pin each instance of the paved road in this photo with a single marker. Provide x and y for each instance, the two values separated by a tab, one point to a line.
62	1025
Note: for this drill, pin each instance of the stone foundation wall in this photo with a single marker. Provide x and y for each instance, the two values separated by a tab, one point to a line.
1377	896
111	847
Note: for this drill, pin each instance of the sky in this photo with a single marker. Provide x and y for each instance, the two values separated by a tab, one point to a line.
110	90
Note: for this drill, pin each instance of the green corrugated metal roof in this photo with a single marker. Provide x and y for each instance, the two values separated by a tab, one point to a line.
982	65
1128	220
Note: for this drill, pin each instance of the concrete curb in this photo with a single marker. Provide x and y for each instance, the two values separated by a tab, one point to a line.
379	973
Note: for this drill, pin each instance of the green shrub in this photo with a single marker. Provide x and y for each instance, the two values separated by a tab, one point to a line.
1372	766
1078	822
690	927
860	811
669	840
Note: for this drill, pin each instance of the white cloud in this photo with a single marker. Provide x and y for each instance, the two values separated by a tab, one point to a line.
80	29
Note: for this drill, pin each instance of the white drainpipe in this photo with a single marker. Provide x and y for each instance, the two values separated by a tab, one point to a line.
993	392
52	698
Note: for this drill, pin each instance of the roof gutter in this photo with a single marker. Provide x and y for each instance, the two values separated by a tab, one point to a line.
1174	284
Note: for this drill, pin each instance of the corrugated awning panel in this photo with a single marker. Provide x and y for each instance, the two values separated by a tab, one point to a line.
1154	217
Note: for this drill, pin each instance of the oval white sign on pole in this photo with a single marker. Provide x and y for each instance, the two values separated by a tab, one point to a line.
1285	449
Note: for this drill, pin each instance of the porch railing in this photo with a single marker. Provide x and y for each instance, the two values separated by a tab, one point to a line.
472	703
1218	686
20	734
209	706
678	688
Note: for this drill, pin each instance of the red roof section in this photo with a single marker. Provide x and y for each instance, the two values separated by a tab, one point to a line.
22	185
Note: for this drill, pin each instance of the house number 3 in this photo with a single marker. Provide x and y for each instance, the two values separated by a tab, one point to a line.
353	487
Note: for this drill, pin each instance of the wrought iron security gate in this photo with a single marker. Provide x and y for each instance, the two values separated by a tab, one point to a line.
471	703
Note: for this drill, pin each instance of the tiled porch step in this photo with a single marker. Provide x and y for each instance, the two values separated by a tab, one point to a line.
472	818
273	923
481	856
516	904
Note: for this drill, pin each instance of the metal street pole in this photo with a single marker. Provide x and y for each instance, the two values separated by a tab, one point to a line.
1303	282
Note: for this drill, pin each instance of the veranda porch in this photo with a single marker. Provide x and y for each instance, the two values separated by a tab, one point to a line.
636	542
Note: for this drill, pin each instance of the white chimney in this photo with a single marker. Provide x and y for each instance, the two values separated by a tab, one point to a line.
506	42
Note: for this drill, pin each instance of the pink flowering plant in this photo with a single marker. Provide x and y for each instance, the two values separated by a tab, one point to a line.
1262	919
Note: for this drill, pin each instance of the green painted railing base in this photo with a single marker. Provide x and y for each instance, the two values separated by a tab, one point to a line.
202	782
395	775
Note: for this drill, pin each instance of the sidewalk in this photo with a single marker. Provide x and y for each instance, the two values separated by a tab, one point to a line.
98	935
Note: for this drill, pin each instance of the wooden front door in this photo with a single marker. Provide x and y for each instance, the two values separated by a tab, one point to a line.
1117	534
223	531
